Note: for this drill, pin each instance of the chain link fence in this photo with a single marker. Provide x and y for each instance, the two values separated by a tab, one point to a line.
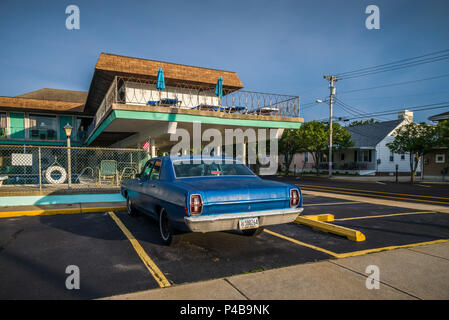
47	167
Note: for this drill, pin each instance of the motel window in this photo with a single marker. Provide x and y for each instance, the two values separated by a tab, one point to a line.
3	127
81	125
439	158
43	127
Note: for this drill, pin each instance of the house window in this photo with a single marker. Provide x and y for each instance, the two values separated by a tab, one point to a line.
43	127
366	155
342	157
391	156
439	158
3	127
306	157
402	156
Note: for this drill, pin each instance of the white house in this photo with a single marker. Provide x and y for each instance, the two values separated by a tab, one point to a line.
370	154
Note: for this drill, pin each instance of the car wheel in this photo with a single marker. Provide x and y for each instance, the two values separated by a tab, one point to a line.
253	232
130	208
166	230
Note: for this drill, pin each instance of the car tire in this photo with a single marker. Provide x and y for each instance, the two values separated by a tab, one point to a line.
166	231
130	208
253	232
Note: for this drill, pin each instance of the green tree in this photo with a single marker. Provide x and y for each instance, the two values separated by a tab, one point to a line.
361	122
417	139
443	133
313	137
288	146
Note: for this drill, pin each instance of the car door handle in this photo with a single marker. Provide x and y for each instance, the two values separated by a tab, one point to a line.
153	185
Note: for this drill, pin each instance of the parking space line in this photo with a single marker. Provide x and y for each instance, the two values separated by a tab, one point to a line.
151	266
329	203
355	253
411	245
385	215
301	243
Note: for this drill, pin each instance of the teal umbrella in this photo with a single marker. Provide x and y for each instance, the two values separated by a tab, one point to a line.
219	90
160	80
219	87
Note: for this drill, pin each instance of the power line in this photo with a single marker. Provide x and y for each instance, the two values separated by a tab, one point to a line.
394	84
400	64
394	111
416	108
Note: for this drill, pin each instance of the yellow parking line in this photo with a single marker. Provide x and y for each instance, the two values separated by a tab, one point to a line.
151	266
376	195
385	215
412	245
373	191
301	243
355	253
330	203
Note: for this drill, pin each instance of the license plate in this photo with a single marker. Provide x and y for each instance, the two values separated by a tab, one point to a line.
249	223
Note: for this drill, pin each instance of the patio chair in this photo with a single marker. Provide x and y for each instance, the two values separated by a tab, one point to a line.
108	172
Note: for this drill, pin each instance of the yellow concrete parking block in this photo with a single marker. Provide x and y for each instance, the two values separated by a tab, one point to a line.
350	234
326	217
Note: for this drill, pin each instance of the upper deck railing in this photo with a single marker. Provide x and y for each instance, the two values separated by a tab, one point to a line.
137	91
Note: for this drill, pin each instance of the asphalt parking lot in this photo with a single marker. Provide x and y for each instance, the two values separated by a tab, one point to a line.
35	251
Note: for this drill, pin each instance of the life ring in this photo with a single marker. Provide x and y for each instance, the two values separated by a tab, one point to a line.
51	170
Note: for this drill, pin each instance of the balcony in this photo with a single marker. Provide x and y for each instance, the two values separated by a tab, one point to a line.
194	98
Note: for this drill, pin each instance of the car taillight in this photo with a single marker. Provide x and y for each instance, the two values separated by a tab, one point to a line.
294	197
196	204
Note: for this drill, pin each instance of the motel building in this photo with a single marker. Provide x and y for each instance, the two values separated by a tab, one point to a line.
125	118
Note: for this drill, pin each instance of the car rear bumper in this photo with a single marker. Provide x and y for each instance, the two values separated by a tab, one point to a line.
230	221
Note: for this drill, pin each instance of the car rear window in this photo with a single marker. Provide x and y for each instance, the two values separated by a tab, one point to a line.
207	169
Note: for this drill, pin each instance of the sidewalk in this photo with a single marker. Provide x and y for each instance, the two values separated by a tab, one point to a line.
412	273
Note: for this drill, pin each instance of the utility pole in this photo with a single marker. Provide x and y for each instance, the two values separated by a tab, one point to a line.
332	90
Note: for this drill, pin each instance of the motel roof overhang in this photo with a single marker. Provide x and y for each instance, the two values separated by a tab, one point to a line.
110	65
123	122
47	106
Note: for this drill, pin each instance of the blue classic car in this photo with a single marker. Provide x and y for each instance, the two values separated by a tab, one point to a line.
201	194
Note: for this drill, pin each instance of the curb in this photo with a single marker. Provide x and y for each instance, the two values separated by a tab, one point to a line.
73	209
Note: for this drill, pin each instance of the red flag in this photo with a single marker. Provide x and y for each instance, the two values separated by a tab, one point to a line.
146	146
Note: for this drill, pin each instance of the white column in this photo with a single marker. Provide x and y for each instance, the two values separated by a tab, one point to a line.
244	153
153	148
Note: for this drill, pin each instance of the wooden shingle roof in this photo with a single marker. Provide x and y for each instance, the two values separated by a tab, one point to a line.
56	95
110	65
38	104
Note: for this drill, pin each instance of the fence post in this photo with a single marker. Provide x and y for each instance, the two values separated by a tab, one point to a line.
69	164
40	169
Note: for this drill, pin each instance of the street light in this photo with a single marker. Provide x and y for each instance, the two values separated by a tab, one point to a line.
68	132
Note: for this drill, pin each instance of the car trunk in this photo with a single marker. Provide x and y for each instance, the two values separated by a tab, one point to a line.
231	195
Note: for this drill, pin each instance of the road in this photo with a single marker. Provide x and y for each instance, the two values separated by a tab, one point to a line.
417	193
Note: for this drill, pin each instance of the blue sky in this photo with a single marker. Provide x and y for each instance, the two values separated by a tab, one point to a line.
274	46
